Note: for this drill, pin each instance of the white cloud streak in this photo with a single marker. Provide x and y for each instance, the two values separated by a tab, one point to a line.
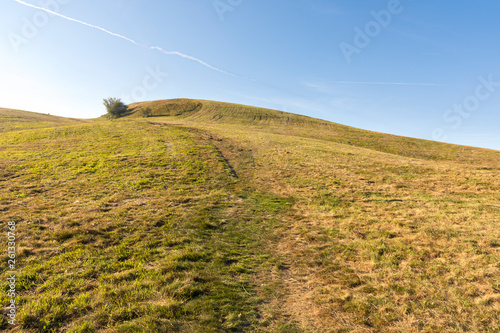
388	83
185	56
179	54
77	21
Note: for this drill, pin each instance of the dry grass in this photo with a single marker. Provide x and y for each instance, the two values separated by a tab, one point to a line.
300	230
271	121
378	241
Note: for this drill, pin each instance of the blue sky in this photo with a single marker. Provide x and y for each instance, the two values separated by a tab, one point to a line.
426	69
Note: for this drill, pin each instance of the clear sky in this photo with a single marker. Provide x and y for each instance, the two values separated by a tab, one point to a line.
428	69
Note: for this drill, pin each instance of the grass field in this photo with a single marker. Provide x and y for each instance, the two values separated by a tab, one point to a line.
215	217
14	120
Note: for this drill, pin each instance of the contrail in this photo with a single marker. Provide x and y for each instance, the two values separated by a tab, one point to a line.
388	83
182	55
77	21
185	56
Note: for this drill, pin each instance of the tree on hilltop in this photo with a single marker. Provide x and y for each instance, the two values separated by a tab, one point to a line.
115	107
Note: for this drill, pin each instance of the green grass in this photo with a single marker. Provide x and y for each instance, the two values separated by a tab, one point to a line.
130	226
216	218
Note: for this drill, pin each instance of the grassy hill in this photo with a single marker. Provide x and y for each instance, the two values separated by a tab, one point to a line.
278	122
215	217
13	120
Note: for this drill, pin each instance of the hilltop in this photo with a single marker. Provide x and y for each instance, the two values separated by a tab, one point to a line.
278	122
218	217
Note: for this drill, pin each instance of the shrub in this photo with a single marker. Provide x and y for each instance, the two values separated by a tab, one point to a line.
146	112
115	107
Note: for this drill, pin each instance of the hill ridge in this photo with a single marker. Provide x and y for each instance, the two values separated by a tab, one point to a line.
15	120
273	121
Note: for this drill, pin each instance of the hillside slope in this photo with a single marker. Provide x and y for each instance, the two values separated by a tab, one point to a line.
211	218
272	121
14	120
